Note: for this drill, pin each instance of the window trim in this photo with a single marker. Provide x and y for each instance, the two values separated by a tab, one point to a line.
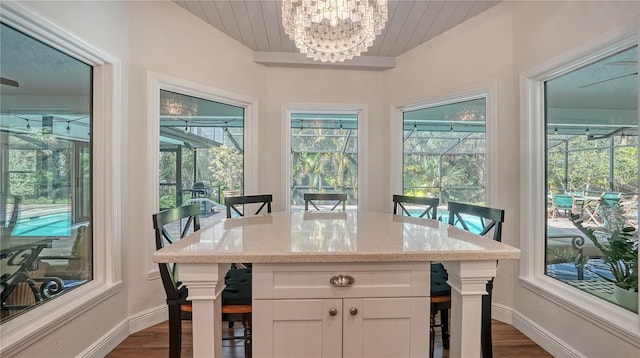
601	313
489	93
41	321
158	81
363	169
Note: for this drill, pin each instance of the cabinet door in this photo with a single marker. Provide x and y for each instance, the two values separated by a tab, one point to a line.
386	327
297	328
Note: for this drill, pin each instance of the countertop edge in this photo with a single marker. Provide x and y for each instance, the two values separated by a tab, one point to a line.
206	258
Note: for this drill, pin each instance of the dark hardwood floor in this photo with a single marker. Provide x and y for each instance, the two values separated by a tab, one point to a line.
154	342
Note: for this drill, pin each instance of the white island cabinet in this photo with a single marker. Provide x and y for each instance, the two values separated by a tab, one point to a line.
369	310
352	284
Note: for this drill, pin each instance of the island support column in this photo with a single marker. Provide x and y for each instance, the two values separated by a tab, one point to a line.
468	280
205	283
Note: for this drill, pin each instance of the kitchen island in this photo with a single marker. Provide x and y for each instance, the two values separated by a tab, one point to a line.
363	275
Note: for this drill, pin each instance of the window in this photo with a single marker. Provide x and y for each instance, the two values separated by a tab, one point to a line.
592	177
444	151
45	181
324	155
201	152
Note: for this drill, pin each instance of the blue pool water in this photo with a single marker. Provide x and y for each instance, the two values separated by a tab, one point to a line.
46	225
473	223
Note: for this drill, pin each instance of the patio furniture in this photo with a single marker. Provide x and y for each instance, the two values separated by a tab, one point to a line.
338	198
77	264
490	220
233	201
9	206
22	283
236	297
595	207
200	189
566	203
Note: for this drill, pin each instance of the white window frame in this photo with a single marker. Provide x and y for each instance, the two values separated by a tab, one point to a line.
489	92
39	322
360	110
158	81
606	315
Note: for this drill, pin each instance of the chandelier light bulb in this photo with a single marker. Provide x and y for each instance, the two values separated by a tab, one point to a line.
333	30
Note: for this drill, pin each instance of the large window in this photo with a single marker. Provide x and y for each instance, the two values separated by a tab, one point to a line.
592	178
444	152
324	155
45	172
201	152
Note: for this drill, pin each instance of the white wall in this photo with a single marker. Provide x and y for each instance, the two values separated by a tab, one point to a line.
545	30
166	39
489	50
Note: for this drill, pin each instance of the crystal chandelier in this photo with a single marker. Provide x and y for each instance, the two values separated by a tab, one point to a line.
333	30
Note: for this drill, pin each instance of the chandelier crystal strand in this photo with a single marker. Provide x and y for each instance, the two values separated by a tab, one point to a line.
333	30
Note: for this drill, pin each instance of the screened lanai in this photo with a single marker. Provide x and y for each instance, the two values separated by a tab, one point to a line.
201	150
444	151
324	155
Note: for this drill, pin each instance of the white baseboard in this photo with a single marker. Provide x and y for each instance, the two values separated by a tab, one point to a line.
536	333
543	338
148	318
502	313
120	332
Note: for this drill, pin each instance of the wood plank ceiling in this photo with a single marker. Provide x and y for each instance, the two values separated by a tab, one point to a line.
258	25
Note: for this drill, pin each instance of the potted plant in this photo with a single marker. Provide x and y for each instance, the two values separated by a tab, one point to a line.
619	247
227	167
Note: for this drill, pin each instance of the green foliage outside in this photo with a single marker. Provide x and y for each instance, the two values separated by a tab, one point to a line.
40	172
226	165
449	166
589	166
324	160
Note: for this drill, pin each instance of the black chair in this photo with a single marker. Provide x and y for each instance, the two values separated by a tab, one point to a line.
485	221
338	198
232	201
429	206
440	299
170	226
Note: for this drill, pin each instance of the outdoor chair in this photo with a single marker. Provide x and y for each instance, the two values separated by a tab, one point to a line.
233	201
440	297
9	204
236	297
564	202
77	264
596	209
630	210
338	198
483	221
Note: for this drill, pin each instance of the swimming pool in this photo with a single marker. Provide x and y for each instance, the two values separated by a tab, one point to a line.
473	223
58	224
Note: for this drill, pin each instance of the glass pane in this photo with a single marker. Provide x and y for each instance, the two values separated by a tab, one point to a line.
324	155
592	178
201	152
45	184
444	152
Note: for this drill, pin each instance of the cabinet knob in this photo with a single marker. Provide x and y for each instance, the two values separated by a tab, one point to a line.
342	280
353	311
333	312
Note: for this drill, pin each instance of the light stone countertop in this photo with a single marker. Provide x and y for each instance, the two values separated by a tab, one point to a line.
298	236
